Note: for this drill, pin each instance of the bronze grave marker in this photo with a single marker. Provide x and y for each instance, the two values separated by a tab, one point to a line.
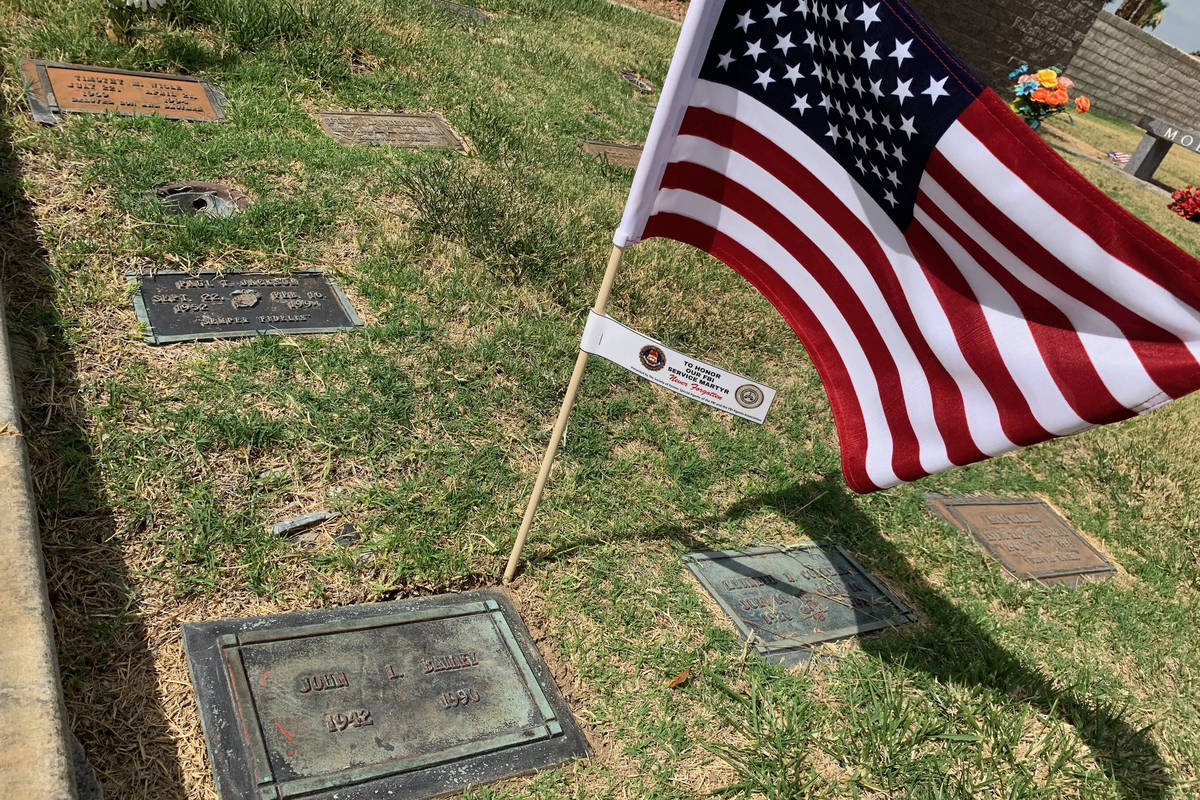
1028	537
783	600
615	153
182	306
408	699
402	129
54	88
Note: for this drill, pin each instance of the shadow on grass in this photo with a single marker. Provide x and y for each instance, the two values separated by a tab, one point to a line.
952	648
108	673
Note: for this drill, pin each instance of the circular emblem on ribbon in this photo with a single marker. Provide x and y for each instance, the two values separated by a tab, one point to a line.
748	396
652	358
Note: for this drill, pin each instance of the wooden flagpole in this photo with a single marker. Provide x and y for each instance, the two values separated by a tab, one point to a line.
560	424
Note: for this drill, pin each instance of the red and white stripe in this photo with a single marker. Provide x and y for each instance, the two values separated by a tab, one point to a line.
993	321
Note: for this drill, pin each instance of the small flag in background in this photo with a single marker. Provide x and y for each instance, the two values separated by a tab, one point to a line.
961	290
1118	158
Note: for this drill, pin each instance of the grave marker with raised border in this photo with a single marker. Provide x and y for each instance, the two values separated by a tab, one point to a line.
53	88
400	700
1029	538
784	600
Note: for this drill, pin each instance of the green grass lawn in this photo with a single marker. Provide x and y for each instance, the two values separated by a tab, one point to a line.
160	470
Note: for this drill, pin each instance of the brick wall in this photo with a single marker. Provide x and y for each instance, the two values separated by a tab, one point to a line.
995	36
1128	73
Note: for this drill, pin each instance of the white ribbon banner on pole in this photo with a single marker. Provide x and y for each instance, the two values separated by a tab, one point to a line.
605	337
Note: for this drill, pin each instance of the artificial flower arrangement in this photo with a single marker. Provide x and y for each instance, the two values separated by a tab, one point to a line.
1186	203
1044	93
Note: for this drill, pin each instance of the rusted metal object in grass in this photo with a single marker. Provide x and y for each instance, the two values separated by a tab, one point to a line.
290	527
641	84
402	700
201	197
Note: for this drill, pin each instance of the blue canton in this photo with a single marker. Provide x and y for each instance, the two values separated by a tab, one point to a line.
858	78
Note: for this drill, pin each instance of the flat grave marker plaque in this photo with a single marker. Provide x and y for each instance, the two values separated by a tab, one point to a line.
615	153
413	130
54	88
1028	537
399	700
183	306
785	600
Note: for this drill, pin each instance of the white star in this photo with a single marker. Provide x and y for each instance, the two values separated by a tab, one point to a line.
811	40
764	77
902	91
901	52
726	60
858	162
906	125
898	154
784	44
803	9
774	14
840	18
877	89
891	198
869	54
819	73
853	111
887	123
834	133
892	178
860	142
847	50
858	85
875	169
744	22
868	16
754	51
825	103
936	89
801	104
793	74
869	118
881	149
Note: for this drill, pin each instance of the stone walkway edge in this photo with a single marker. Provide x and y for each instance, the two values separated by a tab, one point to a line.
35	747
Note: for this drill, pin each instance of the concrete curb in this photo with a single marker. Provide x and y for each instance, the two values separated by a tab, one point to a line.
35	744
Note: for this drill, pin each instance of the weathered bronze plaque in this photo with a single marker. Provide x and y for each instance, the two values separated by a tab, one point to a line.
783	600
1031	540
183	306
392	700
54	88
404	130
615	153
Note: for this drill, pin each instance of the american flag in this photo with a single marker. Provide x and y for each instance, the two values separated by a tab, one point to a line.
960	289
1119	158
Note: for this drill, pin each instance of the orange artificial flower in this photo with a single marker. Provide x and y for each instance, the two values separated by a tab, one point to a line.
1040	96
1082	104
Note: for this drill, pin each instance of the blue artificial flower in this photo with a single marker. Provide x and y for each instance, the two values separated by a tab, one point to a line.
1019	71
1027	88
